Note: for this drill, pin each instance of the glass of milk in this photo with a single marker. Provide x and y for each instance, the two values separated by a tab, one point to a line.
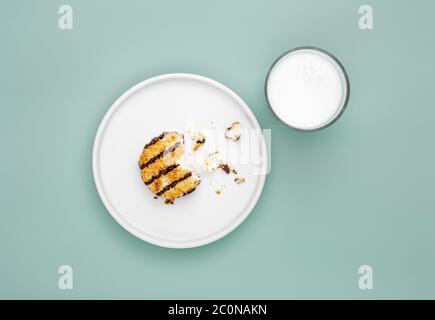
307	88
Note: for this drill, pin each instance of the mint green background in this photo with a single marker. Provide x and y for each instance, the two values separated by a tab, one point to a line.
359	192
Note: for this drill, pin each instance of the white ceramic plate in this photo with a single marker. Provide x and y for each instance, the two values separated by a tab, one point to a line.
172	102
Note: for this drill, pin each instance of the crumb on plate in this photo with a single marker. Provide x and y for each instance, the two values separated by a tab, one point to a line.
212	162
197	136
220	189
239	180
225	167
233	131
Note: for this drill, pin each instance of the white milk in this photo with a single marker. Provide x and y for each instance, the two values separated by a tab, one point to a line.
307	89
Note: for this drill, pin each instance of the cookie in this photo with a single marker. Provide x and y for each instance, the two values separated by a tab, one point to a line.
162	170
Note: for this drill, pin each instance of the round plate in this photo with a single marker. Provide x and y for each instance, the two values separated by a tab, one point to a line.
174	102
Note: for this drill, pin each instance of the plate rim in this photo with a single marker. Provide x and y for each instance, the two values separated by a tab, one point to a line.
114	212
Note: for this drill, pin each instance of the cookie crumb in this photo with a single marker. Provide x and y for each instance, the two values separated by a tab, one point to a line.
233	131
197	136
198	144
220	189
212	162
239	180
225	168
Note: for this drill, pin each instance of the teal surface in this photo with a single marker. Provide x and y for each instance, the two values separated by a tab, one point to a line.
359	192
